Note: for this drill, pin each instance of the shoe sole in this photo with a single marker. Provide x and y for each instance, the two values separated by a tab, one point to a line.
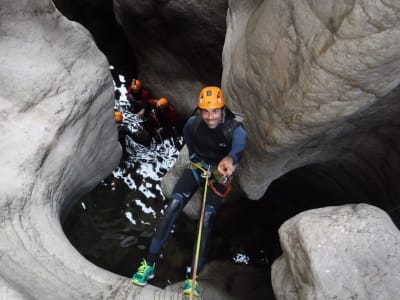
187	293
187	296
138	283
135	282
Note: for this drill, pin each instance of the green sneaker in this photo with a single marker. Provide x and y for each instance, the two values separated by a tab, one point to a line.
187	290
144	273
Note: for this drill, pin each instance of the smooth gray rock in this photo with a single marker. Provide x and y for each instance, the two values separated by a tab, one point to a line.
344	252
299	70
59	139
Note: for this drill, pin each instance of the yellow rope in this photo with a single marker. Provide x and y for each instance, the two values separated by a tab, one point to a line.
206	174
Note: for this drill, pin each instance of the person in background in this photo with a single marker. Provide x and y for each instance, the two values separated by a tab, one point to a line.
162	117
216	143
138	96
122	132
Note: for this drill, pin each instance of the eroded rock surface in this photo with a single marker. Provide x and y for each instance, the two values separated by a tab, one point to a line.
345	252
59	139
301	71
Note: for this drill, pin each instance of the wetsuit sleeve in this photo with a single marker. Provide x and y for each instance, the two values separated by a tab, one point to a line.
187	134
149	105
239	142
155	119
152	102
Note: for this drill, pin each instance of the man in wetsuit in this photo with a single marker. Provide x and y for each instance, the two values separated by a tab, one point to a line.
216	142
138	95
162	118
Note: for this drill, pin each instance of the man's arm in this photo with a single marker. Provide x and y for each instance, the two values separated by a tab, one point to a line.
239	143
228	164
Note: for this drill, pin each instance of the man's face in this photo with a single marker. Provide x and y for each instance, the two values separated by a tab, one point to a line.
212	117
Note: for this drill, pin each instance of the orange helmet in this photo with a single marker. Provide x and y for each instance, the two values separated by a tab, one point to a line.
136	85
211	97
118	116
162	102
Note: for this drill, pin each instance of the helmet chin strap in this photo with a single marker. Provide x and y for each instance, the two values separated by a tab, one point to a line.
223	115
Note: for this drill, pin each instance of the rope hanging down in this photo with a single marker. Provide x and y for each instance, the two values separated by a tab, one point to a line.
206	174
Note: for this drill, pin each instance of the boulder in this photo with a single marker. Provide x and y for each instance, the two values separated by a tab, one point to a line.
344	252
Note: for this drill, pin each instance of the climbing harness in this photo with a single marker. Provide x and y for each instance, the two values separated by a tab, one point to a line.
226	181
214	176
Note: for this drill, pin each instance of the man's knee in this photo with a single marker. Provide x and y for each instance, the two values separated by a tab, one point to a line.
210	211
176	204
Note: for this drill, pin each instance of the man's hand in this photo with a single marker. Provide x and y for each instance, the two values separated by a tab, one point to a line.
226	166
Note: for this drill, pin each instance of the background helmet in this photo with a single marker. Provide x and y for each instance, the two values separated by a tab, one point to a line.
118	116
211	97
136	85
162	102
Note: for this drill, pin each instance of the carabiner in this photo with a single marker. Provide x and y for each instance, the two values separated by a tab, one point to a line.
206	173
